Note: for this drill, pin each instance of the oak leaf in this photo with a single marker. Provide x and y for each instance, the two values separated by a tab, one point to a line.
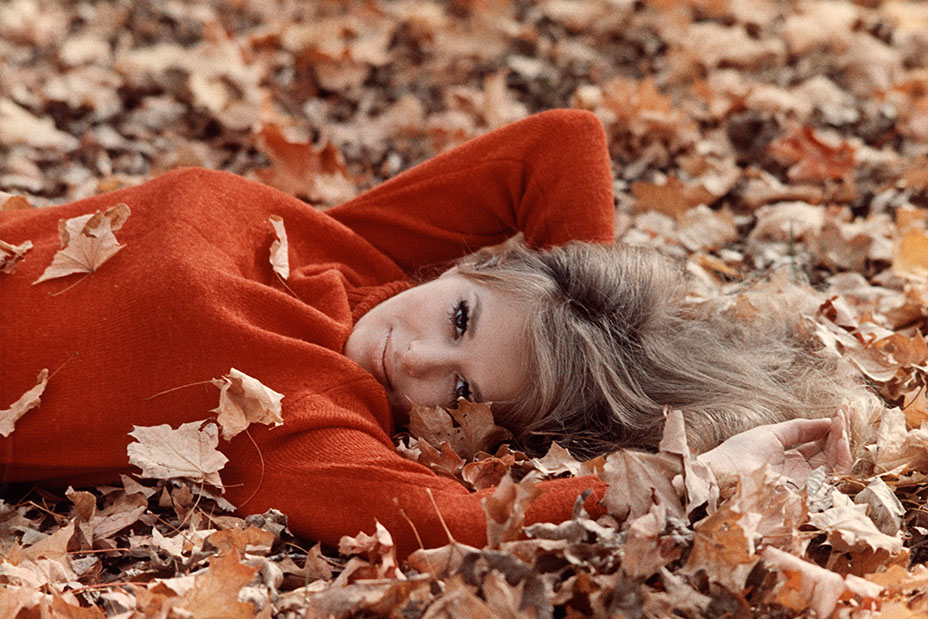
11	255
87	241
24	404
280	261
244	400
187	452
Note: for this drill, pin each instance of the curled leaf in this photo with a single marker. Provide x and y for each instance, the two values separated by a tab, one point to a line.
10	255
244	400
20	407
87	242
280	261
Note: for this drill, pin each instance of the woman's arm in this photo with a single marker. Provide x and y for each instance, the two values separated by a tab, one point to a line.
336	481
547	176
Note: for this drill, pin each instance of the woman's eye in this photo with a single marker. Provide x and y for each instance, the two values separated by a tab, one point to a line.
459	317
461	389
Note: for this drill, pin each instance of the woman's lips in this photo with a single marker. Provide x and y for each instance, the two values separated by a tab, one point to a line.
382	366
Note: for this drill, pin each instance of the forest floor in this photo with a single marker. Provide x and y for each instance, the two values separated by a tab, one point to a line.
748	138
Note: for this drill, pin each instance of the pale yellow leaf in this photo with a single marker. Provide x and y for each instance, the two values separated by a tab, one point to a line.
10	255
189	451
87	241
244	400
280	260
25	403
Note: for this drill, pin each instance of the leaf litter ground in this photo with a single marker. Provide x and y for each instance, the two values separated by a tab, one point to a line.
746	138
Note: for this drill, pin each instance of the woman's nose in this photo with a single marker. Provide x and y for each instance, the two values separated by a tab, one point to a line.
421	358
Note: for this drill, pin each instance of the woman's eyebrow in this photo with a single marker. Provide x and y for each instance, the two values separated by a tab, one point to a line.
471	332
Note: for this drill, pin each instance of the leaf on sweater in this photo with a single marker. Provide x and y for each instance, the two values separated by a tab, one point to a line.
87	242
187	452
244	400
280	260
24	404
11	255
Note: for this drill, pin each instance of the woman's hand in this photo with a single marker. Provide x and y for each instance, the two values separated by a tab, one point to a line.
792	448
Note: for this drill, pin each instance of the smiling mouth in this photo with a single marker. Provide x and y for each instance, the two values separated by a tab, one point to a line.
383	361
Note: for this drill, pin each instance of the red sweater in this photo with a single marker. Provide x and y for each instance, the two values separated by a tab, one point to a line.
192	295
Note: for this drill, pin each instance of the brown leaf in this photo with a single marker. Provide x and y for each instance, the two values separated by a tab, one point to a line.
379	550
87	242
187	452
244	400
318	175
811	159
215	592
506	508
251	539
805	585
24	404
469	428
280	261
849	529
10	255
638	479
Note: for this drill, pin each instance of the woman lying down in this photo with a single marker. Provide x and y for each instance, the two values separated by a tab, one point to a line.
567	336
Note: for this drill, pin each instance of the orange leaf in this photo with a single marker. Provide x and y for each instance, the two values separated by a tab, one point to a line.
811	159
319	175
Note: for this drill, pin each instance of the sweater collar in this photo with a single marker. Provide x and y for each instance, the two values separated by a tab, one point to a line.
363	298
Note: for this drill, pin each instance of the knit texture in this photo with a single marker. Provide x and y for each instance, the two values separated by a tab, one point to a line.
192	295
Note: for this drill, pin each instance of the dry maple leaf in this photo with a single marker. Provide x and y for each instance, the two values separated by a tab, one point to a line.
215	592
244	400
87	242
10	255
475	430
506	508
25	403
280	261
189	452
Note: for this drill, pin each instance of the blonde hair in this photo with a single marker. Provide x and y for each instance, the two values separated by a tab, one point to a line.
614	341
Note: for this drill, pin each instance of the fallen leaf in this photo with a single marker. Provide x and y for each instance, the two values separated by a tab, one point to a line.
280	261
244	400
506	508
215	593
87	242
24	404
187	452
10	255
299	168
468	429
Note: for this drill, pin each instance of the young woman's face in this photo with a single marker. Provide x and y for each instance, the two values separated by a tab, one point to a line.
442	340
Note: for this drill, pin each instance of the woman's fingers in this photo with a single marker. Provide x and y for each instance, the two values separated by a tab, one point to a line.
837	447
800	431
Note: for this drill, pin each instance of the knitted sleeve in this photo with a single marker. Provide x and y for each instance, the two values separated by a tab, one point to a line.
547	176
337	481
